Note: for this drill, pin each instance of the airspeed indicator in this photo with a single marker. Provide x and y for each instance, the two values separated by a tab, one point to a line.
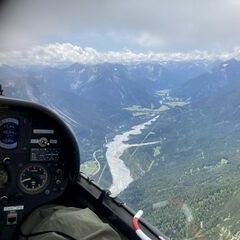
33	179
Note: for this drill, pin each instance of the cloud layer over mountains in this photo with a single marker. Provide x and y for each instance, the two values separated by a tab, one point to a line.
65	53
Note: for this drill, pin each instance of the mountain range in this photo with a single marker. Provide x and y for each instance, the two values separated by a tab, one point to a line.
91	97
196	163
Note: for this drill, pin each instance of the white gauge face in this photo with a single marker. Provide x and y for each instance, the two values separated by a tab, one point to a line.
9	128
33	179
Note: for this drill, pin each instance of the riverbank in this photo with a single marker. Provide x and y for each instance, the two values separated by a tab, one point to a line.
121	176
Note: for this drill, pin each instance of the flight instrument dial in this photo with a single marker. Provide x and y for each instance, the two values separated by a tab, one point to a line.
33	179
9	133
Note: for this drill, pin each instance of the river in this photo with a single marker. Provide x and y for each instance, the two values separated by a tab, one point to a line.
121	176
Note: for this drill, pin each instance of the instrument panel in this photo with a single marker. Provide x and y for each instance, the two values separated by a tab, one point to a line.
32	148
39	159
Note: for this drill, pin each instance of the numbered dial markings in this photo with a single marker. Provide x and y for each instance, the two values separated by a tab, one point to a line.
33	179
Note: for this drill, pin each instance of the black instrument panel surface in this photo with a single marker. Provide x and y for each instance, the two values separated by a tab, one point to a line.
38	158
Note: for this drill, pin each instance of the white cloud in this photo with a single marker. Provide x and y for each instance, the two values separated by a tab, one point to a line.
147	40
65	53
235	2
156	25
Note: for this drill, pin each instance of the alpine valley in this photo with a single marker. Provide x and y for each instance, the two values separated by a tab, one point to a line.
163	136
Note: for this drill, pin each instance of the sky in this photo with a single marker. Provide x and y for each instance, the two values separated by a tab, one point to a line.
106	29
